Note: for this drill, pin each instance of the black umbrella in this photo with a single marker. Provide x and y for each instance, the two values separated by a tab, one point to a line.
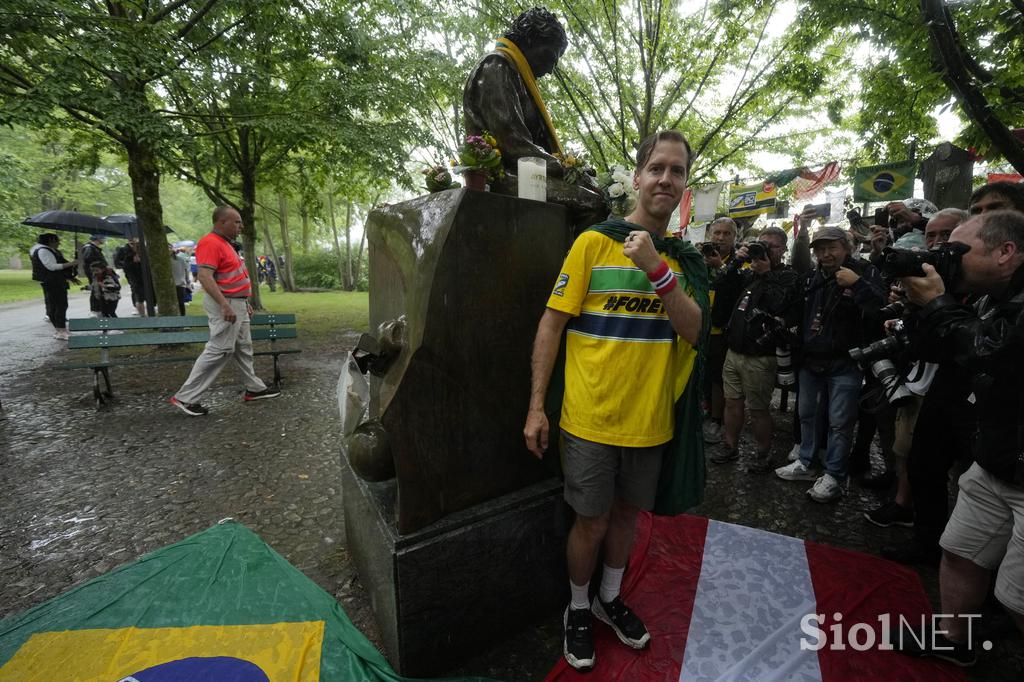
127	225
73	221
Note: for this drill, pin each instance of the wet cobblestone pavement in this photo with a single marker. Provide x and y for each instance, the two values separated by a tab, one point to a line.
83	491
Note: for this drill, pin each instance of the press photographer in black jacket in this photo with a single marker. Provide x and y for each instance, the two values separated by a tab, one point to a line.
988	341
762	292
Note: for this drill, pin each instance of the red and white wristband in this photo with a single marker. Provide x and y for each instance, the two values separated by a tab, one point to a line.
663	279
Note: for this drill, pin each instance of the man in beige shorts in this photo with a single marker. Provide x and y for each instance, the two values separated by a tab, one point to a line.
986	530
762	292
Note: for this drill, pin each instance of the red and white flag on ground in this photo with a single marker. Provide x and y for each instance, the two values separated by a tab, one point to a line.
809	182
726	602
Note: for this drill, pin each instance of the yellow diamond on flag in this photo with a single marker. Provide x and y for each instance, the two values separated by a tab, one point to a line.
889	182
260	652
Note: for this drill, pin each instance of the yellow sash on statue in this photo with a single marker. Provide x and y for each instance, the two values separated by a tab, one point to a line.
508	48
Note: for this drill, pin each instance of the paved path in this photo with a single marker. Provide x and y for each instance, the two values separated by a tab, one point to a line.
25	333
83	491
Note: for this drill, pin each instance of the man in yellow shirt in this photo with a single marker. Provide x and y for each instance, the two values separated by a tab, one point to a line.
632	327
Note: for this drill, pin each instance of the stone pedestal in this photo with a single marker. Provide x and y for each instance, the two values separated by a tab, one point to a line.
468	275
442	593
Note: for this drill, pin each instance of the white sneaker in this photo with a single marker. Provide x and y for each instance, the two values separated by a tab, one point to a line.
712	432
61	334
825	489
794	454
796	472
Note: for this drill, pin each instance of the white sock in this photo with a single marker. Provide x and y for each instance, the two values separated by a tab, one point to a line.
580	595
611	581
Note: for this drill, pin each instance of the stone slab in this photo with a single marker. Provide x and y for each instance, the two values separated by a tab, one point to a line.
442	593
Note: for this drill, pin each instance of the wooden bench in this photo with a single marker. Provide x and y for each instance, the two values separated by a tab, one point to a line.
163	332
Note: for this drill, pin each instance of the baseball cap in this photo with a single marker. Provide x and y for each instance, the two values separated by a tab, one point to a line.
829	234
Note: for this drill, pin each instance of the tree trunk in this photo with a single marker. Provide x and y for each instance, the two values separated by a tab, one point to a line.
349	285
287	280
304	211
248	213
337	246
948	54
270	241
145	177
359	260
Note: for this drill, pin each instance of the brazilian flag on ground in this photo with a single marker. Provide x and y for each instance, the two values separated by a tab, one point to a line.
220	606
888	182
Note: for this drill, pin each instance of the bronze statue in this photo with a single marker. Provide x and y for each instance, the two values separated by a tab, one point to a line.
501	97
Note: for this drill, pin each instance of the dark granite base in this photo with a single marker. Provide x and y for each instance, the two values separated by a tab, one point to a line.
444	592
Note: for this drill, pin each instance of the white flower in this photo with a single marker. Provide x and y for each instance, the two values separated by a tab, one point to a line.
616	190
620	174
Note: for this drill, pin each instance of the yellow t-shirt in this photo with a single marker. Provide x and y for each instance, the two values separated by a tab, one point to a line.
625	367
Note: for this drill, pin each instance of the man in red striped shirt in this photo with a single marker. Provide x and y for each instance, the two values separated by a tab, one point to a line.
224	278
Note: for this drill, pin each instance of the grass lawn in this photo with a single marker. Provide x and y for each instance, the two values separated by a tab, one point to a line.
17	285
317	314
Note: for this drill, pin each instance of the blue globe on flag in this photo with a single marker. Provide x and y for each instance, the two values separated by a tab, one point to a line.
883	182
215	669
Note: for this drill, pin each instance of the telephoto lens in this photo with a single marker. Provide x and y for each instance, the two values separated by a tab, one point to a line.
784	376
895	392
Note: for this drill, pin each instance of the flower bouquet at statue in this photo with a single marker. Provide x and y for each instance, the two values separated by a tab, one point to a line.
438	179
479	160
575	166
617	186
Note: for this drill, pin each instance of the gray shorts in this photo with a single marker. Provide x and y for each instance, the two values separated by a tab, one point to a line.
987	528
597	474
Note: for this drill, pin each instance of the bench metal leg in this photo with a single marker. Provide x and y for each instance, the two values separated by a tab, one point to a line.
101	396
106	379
277	372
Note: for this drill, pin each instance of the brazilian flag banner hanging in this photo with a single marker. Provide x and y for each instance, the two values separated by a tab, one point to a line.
751	200
888	182
218	606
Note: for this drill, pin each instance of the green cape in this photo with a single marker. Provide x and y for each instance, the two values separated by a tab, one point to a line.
681	484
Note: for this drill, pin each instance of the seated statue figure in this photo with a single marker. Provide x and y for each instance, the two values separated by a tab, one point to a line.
501	97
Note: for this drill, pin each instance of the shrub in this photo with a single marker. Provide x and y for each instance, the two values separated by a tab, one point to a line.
316	270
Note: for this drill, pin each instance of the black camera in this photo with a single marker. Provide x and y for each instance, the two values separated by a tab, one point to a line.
773	332
755	251
945	258
709	249
878	358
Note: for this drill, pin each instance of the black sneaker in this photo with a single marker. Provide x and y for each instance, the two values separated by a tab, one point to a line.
891	514
578	639
268	392
629	629
935	646
191	409
915	553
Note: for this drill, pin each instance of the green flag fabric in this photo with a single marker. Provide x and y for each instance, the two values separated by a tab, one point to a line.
888	182
683	471
219	605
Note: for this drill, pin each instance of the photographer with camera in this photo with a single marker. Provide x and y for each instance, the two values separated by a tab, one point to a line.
986	530
718	252
901	224
762	292
935	409
837	297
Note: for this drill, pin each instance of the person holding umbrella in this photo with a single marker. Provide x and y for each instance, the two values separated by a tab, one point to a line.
53	271
92	257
